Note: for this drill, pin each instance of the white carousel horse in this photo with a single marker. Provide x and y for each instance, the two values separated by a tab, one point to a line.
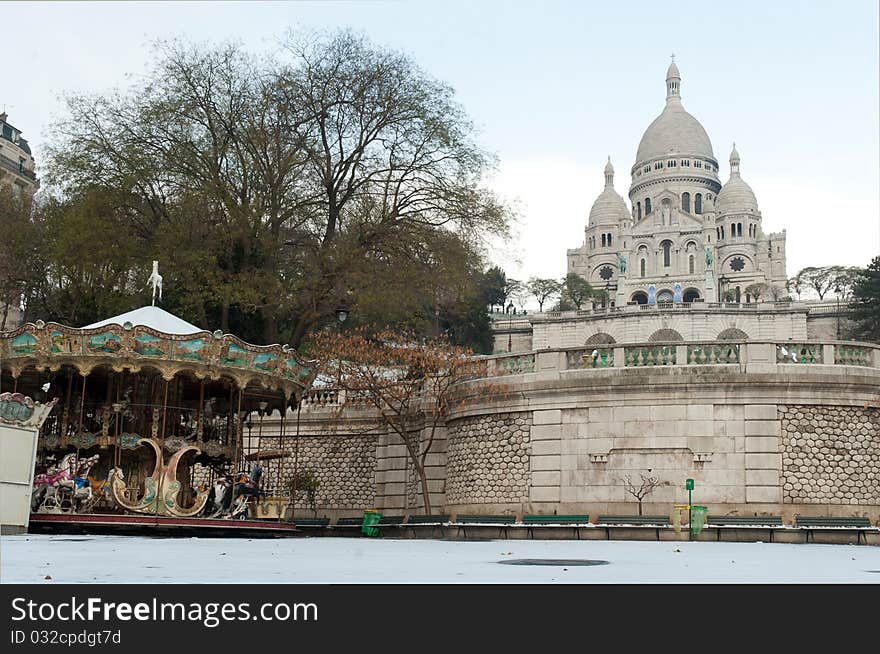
155	281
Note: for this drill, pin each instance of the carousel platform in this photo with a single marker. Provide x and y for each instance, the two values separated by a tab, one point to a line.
147	525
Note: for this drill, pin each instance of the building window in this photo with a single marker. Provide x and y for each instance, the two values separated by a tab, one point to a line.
698	164
605	272
737	264
603	240
698	203
642	267
691	264
686	202
722	233
639	210
647	206
667	253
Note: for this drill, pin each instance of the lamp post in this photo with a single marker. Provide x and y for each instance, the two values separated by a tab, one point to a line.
837	293
509	328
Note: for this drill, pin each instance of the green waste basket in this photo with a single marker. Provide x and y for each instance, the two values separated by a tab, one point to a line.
698	519
371	519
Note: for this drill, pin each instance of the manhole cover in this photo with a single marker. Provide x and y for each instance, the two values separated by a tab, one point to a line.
557	562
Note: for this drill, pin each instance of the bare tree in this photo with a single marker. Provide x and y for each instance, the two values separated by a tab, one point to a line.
643	489
407	382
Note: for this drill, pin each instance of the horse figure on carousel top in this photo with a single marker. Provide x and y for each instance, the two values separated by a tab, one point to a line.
155	281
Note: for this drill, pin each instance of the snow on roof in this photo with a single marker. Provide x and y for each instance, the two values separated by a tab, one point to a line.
154	317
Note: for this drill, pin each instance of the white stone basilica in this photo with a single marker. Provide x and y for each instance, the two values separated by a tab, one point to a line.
685	237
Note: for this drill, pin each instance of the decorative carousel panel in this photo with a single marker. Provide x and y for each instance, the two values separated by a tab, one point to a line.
233	355
266	362
195	349
24	344
84	440
147	345
62	342
129	441
15	408
105	342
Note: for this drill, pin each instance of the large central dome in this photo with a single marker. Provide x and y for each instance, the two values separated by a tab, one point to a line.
674	130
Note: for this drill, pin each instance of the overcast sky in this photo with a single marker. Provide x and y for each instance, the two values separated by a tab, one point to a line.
555	88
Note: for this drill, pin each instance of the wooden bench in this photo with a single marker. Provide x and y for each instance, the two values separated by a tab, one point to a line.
350	522
560	525
478	522
736	526
311	522
637	524
425	525
744	520
859	524
653	520
427	519
536	519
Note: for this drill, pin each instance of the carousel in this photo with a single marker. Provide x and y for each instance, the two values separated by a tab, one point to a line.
152	417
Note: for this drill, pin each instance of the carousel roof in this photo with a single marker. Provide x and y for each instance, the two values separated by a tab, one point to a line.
152	317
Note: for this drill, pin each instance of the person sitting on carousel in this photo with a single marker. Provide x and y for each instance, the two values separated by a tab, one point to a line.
246	487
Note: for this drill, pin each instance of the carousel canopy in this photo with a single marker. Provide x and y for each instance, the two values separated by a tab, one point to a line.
152	317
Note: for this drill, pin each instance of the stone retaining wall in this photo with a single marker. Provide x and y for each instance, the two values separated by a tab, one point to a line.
830	455
488	459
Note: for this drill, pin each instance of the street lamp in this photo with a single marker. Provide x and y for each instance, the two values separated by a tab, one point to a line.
341	314
837	293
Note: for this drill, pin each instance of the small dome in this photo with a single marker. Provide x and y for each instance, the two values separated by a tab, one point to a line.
672	71
736	196
609	207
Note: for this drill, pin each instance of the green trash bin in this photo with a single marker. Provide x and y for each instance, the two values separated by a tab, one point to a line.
698	519
371	519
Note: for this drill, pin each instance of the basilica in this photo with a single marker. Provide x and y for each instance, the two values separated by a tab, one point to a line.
685	237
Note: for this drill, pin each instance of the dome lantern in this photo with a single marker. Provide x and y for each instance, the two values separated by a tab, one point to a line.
673	81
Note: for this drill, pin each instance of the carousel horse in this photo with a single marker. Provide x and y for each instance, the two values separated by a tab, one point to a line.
46	484
65	487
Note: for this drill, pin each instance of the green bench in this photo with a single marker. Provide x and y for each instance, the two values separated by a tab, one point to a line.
555	523
744	520
653	520
858	524
350	522
486	519
555	519
427	519
483	523
311	522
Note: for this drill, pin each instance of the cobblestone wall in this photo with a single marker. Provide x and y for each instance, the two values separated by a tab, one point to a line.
344	465
488	459
830	455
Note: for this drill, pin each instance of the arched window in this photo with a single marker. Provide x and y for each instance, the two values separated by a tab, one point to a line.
691	264
722	232
639	297
609	240
718	232
639	210
642	270
738	294
603	240
686	202
667	253
739	229
698	203
647	206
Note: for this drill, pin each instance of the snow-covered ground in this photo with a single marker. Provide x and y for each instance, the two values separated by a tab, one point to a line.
119	559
